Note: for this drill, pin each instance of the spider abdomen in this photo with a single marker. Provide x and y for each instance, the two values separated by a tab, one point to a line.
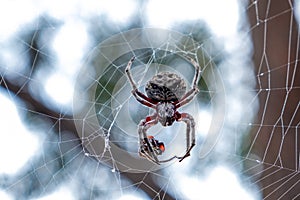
165	86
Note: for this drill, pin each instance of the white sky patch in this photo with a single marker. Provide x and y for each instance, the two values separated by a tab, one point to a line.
17	144
117	10
223	22
8	56
63	192
5	196
60	88
60	9
130	197
221	180
204	122
14	14
70	44
237	109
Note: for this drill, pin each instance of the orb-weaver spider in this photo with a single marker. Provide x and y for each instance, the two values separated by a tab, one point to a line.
166	92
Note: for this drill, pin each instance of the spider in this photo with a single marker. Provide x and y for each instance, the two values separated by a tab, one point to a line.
166	92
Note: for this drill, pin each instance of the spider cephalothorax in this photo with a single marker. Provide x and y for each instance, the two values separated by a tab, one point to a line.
166	113
166	92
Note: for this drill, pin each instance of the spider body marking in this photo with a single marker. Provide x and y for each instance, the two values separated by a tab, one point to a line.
166	88
166	92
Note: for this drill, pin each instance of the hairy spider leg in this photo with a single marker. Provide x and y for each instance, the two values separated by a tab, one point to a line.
140	97
189	96
190	133
127	70
197	72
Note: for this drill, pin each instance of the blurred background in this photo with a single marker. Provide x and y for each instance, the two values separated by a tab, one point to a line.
68	120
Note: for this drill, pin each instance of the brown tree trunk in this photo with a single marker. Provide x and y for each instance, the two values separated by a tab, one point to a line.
274	137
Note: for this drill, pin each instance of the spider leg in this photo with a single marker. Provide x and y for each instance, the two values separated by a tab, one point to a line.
187	98
148	152
140	97
197	72
194	90
190	133
127	70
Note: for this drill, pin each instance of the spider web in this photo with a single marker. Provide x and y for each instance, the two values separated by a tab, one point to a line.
86	147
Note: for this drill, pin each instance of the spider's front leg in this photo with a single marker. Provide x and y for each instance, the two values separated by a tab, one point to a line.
190	133
188	97
128	73
139	96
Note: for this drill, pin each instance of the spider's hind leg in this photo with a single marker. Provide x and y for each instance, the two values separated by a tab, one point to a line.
190	134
